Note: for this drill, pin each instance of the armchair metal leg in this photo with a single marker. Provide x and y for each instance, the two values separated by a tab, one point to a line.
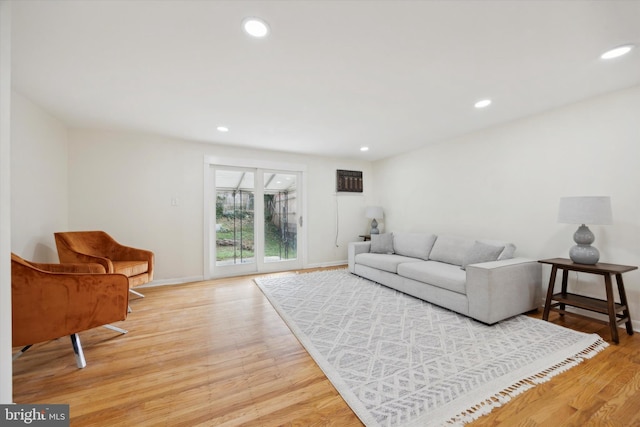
77	350
136	293
115	328
21	352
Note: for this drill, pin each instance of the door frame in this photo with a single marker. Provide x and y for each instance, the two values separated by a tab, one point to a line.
209	205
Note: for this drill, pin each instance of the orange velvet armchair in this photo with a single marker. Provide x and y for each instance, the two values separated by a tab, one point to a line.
50	301
99	247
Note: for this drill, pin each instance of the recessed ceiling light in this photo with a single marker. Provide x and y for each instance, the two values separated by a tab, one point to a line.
483	103
222	129
364	148
616	52
255	27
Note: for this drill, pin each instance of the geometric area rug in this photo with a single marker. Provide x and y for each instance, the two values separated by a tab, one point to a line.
400	361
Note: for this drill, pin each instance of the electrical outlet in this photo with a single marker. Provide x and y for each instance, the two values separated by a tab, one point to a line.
174	201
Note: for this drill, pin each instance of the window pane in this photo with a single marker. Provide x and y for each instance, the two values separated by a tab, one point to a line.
234	217
280	216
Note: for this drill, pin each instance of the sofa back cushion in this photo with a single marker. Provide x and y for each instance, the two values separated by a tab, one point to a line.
450	249
415	245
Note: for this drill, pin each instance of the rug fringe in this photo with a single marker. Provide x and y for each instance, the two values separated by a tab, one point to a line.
504	396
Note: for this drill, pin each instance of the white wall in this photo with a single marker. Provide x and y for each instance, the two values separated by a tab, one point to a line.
123	183
506	182
6	368
38	180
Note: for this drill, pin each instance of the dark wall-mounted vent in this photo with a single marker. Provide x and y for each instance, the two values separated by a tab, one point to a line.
348	181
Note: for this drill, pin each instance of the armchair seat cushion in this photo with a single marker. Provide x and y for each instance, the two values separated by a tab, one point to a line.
130	268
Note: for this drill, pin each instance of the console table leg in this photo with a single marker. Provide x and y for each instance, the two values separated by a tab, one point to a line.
565	279
552	283
623	301
612	309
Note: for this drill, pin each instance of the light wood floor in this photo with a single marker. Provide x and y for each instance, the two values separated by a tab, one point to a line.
217	353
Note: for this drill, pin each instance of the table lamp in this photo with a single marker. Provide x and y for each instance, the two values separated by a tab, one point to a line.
374	212
585	210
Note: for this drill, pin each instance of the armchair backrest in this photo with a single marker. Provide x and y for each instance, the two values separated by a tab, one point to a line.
94	243
51	304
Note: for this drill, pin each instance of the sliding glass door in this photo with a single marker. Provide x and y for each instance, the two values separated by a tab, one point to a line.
281	216
257	219
235	217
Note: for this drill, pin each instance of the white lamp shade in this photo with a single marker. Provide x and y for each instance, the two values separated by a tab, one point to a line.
374	212
585	210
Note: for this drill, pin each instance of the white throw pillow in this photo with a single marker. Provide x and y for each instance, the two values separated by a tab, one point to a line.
382	243
481	252
507	253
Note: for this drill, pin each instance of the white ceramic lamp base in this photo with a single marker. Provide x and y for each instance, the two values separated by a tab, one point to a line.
583	252
374	227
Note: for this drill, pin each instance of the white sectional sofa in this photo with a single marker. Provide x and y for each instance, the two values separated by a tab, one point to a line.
478	278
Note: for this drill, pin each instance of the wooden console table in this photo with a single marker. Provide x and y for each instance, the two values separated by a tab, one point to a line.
618	312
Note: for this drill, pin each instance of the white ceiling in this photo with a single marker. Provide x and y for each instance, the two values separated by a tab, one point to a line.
332	76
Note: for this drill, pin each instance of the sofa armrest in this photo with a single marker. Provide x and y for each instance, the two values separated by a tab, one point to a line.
354	249
497	290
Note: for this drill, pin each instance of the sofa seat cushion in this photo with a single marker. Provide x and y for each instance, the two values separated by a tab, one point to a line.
440	274
130	268
385	262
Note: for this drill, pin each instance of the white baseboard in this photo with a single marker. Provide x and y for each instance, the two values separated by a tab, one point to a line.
176	281
326	264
